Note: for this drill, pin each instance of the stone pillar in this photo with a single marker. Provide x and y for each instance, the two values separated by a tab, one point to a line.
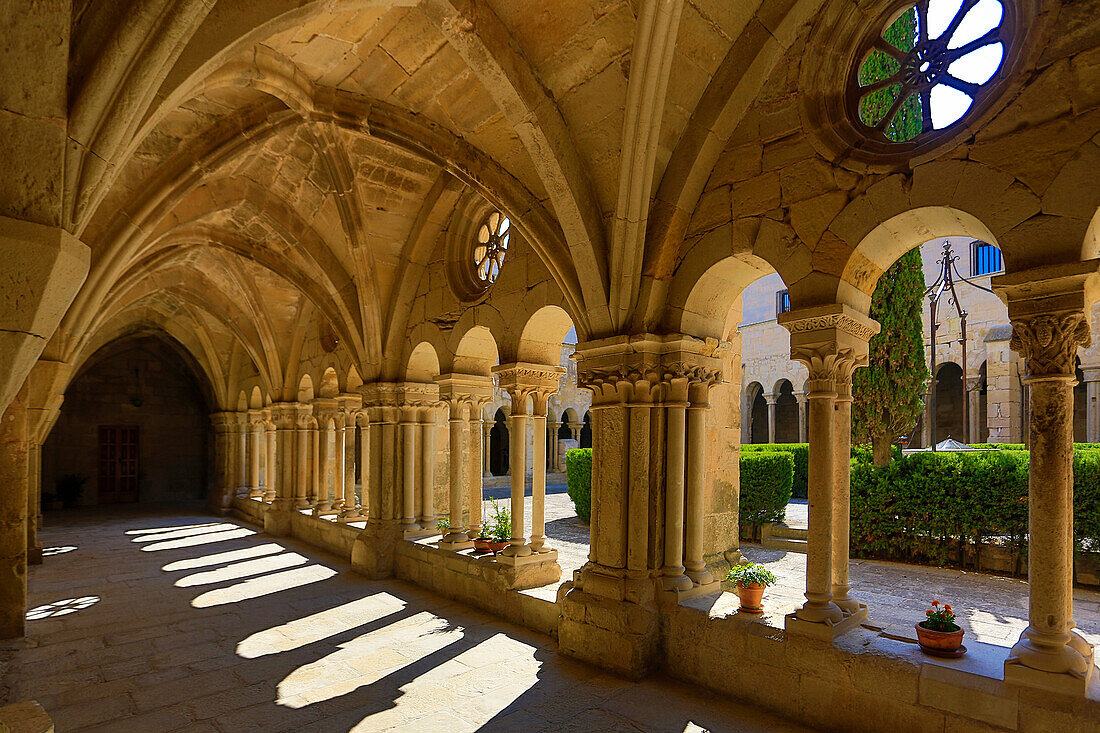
457	469
410	425
640	388
974	409
255	436
536	382
478	467
1092	390
366	453
831	341
1049	310
303	457
487	427
698	408
34	502
315	476
802	418
552	459
226	443
244	431
770	400
339	461
325	410
281	476
351	406
842	497
427	469
13	518
270	456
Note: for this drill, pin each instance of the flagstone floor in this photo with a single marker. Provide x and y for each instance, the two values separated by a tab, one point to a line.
178	621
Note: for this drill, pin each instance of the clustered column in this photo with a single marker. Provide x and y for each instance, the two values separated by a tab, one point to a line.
1048	310
325	410
255	437
831	341
270	481
464	395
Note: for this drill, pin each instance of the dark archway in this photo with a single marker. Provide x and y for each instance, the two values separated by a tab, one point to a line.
983	406
949	397
135	424
586	432
498	445
758	429
1080	406
786	414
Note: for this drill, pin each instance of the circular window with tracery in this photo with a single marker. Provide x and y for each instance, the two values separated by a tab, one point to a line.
491	247
934	63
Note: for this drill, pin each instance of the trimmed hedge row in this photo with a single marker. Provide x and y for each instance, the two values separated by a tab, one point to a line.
800	453
578	476
766	478
929	507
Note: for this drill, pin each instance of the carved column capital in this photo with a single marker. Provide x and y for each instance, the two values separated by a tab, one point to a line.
831	341
522	380
462	390
1049	342
284	415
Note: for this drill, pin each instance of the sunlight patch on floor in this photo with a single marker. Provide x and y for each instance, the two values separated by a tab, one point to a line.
61	608
48	551
263	586
243	569
203	539
154	530
176	533
319	626
218	558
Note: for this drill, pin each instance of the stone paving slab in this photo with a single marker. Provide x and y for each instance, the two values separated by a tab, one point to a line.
169	622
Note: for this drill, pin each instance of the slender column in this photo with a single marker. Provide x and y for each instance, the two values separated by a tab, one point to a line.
270	479
478	465
673	577
256	435
351	503
1092	411
226	443
802	438
486	445
696	476
538	474
517	434
302	461
13	518
819	606
340	462
427	468
365	476
575	430
552	462
770	400
325	431
315	478
242	454
1050	653
34	501
409	427
973	413
842	499
457	470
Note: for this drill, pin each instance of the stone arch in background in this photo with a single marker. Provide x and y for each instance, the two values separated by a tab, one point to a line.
786	413
949	405
498	444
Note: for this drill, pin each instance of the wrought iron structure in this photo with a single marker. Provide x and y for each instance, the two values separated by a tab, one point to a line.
945	286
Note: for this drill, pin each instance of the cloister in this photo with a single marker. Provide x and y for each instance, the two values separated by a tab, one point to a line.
333	245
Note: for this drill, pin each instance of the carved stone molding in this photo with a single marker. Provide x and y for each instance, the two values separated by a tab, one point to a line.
284	415
830	368
829	318
1049	342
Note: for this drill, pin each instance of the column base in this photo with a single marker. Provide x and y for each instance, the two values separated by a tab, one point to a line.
529	571
352	515
277	520
1067	669
415	532
372	553
1016	673
454	546
520	550
826	630
667	598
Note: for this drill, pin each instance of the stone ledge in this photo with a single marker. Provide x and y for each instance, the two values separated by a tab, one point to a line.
25	717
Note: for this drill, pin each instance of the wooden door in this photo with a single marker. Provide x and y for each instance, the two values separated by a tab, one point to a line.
118	464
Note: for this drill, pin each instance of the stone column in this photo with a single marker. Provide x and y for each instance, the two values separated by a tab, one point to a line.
365	456
552	457
770	400
478	467
226	443
325	410
802	431
974	410
410	425
303	457
270	456
842	497
1048	308
672	572
244	431
351	407
575	431
457	469
517	454
831	341
34	501
315	476
339	461
277	518
464	394
538	471
487	427
698	408
1092	391
255	436
13	518
427	468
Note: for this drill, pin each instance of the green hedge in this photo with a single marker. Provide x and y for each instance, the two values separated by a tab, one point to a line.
766	478
800	453
929	507
578	473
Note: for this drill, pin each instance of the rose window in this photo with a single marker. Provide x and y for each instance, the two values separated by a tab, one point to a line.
492	246
928	68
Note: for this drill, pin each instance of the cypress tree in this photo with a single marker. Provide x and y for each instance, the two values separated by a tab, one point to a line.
888	392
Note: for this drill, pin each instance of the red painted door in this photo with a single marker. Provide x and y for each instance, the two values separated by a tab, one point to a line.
118	464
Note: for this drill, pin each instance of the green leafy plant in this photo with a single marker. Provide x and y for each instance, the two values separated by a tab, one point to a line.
70	488
749	573
443	524
578	472
499	526
765	488
940	619
887	392
800	454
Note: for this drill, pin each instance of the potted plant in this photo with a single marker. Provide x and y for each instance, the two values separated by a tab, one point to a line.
70	488
938	634
751	579
443	524
496	532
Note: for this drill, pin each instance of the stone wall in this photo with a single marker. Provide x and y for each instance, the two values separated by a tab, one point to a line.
172	420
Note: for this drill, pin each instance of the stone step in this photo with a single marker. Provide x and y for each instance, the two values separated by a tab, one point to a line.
783	543
782	531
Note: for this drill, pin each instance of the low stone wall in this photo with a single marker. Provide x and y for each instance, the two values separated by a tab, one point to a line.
473	581
862	682
333	537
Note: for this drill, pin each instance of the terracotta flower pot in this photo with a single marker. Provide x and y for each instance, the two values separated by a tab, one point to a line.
751	596
944	641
